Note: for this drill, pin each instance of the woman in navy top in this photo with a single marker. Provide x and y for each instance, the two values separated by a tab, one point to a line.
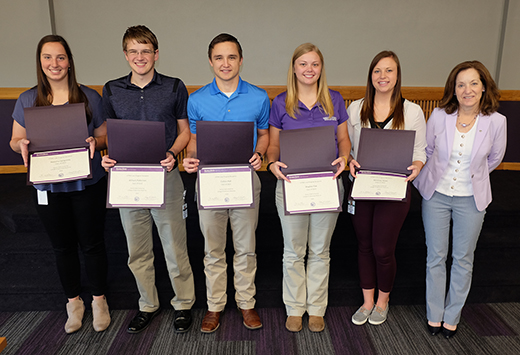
307	103
73	213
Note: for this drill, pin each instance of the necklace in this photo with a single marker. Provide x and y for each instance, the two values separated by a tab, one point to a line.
464	125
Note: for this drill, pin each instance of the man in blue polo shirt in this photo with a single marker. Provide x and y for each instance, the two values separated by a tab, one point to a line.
149	96
229	98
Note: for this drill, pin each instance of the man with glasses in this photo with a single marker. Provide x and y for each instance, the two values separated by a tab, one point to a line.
147	95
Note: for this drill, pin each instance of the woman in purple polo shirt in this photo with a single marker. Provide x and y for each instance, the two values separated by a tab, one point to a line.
308	102
73	213
377	223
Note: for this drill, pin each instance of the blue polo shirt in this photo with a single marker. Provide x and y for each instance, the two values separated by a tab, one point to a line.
248	103
164	99
315	117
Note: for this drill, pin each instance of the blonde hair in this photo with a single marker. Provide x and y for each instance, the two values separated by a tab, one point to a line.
291	100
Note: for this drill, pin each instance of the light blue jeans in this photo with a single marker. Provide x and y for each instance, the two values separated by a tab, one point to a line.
467	223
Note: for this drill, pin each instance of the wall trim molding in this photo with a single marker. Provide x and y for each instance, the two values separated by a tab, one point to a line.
348	92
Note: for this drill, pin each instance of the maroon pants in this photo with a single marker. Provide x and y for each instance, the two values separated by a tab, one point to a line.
377	225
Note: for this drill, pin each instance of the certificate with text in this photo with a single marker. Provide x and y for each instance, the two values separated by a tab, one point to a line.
311	192
375	185
223	187
136	186
59	166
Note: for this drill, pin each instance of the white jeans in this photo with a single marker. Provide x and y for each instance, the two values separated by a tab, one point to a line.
306	290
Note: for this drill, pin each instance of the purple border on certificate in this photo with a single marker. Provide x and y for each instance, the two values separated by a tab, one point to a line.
56	153
310	176
137	168
225	169
366	172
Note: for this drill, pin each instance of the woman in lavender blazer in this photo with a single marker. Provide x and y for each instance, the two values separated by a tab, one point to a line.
466	141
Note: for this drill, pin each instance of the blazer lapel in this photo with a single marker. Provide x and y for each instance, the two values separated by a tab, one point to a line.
451	122
482	128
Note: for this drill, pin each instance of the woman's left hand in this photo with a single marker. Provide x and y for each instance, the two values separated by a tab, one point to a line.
92	145
416	169
341	163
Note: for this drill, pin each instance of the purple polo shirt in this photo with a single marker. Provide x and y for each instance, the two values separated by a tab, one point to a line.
314	117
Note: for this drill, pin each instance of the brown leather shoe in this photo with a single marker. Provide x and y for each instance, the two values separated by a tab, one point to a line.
251	319
293	324
316	324
210	323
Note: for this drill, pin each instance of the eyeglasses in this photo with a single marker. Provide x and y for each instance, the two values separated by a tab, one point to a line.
144	52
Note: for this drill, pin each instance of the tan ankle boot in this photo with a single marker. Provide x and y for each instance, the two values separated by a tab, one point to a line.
101	314
75	311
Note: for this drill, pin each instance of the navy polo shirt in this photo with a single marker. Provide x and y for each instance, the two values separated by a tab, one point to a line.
164	99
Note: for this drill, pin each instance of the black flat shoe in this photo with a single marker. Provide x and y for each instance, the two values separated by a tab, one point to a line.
182	321
141	321
448	333
433	330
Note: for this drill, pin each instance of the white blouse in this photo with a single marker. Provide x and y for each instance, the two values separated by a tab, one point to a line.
456	180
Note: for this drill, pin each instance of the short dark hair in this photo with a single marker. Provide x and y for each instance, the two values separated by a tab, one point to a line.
224	37
489	102
140	34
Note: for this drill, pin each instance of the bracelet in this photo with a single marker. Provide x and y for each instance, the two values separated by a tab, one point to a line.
260	155
173	154
268	167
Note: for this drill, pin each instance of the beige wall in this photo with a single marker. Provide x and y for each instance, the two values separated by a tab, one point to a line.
430	37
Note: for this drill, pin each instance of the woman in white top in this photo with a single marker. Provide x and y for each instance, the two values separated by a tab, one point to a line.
466	141
377	223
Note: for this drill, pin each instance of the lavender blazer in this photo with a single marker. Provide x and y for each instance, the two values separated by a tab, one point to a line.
488	150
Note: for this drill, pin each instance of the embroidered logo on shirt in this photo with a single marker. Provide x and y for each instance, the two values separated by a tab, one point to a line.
332	118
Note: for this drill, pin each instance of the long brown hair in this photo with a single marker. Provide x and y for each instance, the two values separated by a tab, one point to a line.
291	100
396	101
489	101
44	90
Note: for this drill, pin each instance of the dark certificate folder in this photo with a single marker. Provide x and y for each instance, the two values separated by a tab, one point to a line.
383	154
57	128
386	150
224	142
138	147
224	147
136	142
308	149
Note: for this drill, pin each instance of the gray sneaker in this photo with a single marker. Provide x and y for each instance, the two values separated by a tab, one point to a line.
361	315
378	315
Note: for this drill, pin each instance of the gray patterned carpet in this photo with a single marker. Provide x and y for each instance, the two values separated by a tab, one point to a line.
484	329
